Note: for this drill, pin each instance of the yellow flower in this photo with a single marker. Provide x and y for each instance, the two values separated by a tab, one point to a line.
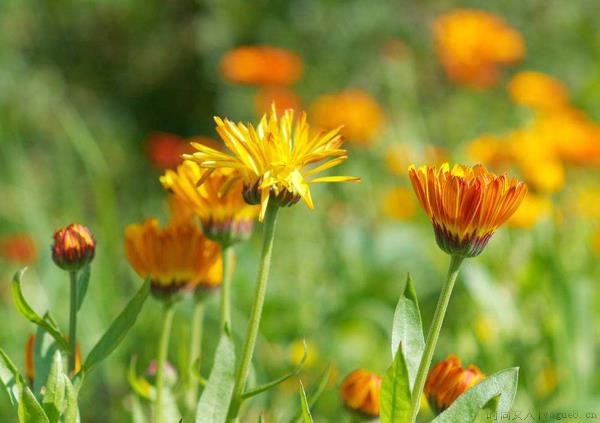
176	257
448	380
586	202
399	203
360	392
538	91
218	201
274	158
73	247
355	111
488	149
465	204
532	210
472	45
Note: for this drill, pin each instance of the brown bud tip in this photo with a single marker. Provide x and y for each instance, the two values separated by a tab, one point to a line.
360	392
74	247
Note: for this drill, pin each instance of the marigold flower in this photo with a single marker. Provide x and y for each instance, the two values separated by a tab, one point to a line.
19	248
218	201
74	247
29	365
360	392
465	204
538	91
448	380
399	203
176	257
356	112
261	65
472	45
273	158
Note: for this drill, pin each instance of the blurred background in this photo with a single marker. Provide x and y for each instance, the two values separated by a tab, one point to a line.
97	98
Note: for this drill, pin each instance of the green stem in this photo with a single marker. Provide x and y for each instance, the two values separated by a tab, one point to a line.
432	336
227	254
195	349
163	348
73	322
256	312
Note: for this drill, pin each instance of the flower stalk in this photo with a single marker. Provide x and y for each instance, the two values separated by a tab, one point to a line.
73	321
256	312
163	348
433	335
227	254
195	352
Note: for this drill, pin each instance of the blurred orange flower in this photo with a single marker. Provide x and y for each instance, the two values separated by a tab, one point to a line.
164	150
261	65
538	91
473	44
356	111
284	98
531	211
399	203
18	248
360	392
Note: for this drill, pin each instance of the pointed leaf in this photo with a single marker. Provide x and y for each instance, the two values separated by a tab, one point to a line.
314	396
501	385
82	285
8	378
214	402
25	309
44	348
306	416
408	331
118	329
395	392
29	409
71	414
54	394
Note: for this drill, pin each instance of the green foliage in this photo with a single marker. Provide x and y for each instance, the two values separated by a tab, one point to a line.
395	392
83	282
306	416
55	389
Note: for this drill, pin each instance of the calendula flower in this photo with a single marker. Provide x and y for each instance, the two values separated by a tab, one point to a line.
360	392
448	380
19	248
274	159
472	45
261	65
399	203
538	91
465	204
29	365
216	197
74	247
176	257
356	112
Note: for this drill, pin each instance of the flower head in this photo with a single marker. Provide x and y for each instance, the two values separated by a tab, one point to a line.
18	248
448	380
176	257
360	392
74	247
465	204
538	91
261	65
273	158
226	218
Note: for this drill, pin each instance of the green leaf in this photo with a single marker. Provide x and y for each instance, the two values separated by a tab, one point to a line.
71	414
8	377
44	348
137	412
82	284
54	394
139	385
214	402
497	391
25	309
317	392
262	388
118	329
395	392
408	331
29	409
306	416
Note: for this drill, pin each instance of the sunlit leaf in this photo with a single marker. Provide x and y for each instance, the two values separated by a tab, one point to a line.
306	416
71	413
29	409
395	392
53	402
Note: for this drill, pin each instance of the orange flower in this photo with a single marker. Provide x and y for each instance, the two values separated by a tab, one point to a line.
465	204
283	97
29	365
261	65
538	91
448	380
18	248
360	392
472	45
356	111
74	247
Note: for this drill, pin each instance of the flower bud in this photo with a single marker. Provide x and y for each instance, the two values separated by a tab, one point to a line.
360	392
74	247
448	380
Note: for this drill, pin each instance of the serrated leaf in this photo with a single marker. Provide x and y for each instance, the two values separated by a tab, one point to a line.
71	414
214	401
408	330
8	378
118	329
82	284
25	309
395	392
501	385
306	416
53	402
262	388
44	348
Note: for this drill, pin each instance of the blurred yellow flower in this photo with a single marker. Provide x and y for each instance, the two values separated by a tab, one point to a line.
399	203
538	91
587	202
465	204
473	44
531	211
488	149
398	158
261	65
175	258
360	392
283	97
218	201
273	158
356	111
546	381
296	351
